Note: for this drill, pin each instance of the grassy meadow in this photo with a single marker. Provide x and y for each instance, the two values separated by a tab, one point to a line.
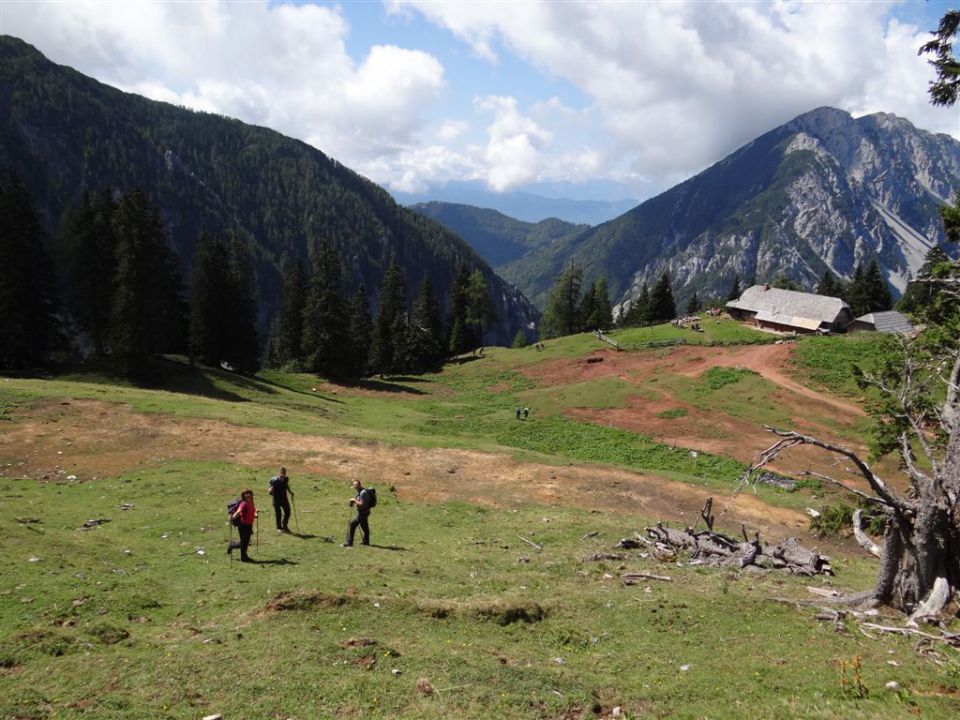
457	610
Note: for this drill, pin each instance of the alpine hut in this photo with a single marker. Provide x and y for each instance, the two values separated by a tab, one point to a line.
790	311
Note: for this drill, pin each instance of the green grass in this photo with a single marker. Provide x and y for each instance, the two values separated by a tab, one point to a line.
128	620
828	361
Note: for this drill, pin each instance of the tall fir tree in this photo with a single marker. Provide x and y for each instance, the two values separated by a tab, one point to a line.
693	305
829	285
662	308
921	292
147	313
28	306
244	346
324	320
426	331
359	329
856	296
876	290
638	314
458	339
602	317
86	243
388	345
735	291
210	301
480	310
562	313
289	338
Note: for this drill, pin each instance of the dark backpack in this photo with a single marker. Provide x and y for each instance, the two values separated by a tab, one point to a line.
371	498
231	509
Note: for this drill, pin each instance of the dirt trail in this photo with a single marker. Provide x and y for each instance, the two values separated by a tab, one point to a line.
92	439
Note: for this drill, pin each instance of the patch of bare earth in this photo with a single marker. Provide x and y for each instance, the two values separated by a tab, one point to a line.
91	439
714	431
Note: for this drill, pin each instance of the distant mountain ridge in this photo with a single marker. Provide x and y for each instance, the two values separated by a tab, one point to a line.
65	133
822	192
521	205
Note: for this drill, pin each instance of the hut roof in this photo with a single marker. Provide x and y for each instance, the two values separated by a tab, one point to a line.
789	303
890	321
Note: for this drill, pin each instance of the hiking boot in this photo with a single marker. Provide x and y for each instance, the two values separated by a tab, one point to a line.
229	549
246	558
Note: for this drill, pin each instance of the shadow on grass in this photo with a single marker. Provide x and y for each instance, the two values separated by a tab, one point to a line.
279	561
384	385
395	548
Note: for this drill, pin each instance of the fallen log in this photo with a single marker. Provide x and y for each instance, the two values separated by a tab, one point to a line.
634	577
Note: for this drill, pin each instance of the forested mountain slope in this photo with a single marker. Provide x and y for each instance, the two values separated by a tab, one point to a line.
65	134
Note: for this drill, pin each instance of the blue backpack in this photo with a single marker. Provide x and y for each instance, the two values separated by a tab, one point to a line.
231	509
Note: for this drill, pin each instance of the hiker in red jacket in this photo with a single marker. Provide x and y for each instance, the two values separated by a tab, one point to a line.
245	514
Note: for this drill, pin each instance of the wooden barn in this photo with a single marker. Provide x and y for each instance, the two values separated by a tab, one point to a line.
790	311
890	321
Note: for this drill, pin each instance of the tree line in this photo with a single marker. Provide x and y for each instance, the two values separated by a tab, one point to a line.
111	291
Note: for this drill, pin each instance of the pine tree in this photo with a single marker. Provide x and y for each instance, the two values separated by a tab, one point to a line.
324	320
735	291
480	309
856	296
147	310
638	315
595	312
457	312
86	242
28	327
662	308
389	344
289	343
562	314
921	293
693	306
360	328
243	348
829	285
210	301
520	340
876	290
426	331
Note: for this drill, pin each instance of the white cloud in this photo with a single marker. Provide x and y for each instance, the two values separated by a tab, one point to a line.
284	66
676	86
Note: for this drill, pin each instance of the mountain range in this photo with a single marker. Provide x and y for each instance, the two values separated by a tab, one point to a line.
823	192
66	134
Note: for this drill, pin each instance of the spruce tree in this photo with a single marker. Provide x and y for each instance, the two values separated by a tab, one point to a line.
921	292
244	345
324	319
562	314
735	291
876	290
480	309
289	338
693	306
360	329
638	314
829	285
86	243
459	341
388	345
28	326
661	304
147	309
426	331
210	301
856	296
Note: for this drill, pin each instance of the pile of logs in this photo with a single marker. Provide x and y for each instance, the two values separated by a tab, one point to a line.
708	547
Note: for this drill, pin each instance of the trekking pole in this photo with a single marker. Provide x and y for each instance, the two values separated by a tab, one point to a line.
296	518
230	531
257	520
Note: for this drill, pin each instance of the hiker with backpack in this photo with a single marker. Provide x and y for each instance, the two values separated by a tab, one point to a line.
364	501
279	487
243	516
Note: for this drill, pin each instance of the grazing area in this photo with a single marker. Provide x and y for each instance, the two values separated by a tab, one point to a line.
496	586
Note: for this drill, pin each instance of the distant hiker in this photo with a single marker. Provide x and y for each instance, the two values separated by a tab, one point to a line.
362	503
245	515
518	412
279	487
526	412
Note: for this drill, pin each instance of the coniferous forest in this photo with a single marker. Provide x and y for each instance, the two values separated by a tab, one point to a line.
209	190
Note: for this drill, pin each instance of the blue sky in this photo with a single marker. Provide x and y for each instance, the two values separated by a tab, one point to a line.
632	96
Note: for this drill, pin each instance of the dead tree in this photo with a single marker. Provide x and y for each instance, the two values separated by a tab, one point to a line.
921	543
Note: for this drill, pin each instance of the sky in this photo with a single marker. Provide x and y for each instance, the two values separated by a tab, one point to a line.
632	96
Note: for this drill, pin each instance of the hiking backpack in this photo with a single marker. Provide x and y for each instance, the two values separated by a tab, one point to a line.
371	498
231	509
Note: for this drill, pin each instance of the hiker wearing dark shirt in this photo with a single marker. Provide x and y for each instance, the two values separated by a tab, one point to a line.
245	515
279	487
361	502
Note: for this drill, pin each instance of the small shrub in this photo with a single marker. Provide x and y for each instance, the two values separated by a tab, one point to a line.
672	413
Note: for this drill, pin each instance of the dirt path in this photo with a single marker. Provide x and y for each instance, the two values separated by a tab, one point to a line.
93	439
